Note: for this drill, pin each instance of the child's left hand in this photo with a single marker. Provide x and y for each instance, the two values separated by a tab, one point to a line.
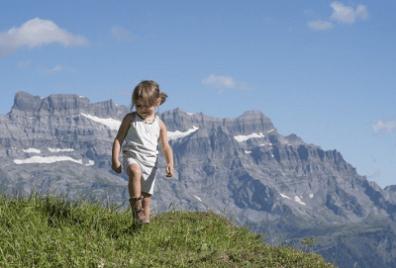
169	170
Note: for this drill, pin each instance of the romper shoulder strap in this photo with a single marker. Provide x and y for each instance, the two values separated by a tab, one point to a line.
159	120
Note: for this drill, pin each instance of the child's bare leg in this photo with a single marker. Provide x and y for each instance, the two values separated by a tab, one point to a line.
135	192
134	182
147	206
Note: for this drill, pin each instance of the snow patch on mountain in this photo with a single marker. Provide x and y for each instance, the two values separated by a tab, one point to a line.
242	138
299	201
90	163
296	199
60	150
32	151
285	196
111	123
51	159
265	144
46	160
197	197
174	135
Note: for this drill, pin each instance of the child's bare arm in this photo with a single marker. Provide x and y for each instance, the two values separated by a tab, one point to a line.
166	149
122	131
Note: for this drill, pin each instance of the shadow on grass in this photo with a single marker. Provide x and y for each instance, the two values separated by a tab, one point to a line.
60	212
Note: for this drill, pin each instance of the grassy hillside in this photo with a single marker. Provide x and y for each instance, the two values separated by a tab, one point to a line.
50	232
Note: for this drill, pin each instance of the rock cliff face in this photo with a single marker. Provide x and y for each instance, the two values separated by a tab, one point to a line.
240	167
247	163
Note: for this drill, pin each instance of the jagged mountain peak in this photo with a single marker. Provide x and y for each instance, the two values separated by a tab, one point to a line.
251	113
178	119
68	103
24	101
390	188
249	122
294	139
178	112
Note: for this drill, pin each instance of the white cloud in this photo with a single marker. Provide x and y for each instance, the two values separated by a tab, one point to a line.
122	34
223	82
35	33
348	14
58	68
219	81
320	25
384	126
341	14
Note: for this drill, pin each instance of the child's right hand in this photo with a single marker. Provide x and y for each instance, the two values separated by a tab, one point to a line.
116	166
169	171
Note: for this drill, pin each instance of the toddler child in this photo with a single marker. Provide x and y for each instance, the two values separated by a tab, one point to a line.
140	132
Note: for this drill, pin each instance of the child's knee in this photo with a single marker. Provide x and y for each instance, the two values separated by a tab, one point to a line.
134	170
146	195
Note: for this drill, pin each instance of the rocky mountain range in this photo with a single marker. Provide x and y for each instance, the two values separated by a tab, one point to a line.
276	185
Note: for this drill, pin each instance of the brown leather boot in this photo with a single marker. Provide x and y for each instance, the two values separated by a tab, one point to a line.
137	210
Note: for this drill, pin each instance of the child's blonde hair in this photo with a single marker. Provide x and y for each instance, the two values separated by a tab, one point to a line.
148	93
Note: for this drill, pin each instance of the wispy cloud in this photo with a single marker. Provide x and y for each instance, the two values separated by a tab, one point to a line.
382	126
320	25
219	81
341	14
35	33
56	69
222	82
47	70
122	34
24	64
348	14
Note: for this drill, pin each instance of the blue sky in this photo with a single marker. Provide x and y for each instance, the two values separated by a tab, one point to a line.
325	70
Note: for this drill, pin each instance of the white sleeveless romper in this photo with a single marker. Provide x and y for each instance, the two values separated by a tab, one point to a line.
141	147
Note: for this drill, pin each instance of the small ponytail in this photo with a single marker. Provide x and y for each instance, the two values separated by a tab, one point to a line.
163	97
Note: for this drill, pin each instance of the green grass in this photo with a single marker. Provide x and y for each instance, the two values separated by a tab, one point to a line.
51	232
